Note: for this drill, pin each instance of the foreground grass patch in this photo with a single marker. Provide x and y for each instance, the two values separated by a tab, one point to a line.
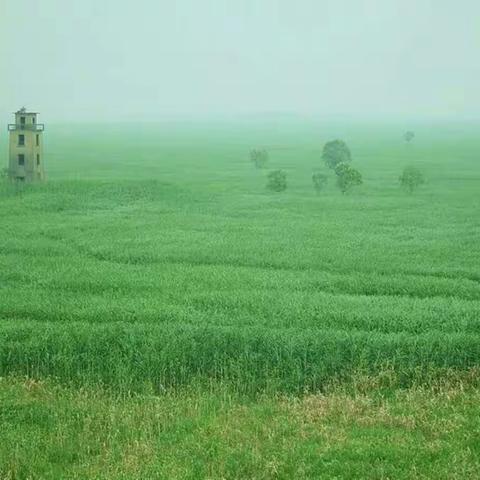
49	431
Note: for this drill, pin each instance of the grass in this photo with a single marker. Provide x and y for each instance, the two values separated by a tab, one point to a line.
154	260
365	432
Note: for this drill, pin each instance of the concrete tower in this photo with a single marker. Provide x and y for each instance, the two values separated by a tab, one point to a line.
26	148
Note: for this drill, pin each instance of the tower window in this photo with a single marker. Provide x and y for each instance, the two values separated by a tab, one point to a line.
38	139
33	120
22	120
38	159
21	159
21	140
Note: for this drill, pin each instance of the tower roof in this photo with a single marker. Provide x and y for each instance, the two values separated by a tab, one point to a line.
24	111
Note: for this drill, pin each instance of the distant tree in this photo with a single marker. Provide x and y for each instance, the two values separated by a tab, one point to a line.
4	173
347	177
277	181
409	136
319	181
259	158
411	178
335	152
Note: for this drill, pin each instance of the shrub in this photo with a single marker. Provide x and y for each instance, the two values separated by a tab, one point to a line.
319	181
347	177
411	178
259	158
336	152
277	181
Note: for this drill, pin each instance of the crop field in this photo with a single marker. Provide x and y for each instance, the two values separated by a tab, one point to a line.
154	270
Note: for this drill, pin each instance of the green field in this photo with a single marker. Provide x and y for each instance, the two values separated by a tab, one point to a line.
155	271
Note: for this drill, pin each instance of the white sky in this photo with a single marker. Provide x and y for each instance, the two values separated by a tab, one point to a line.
140	60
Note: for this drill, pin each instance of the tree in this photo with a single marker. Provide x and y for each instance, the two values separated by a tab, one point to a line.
347	177
259	158
409	136
411	178
319	181
277	181
4	173
336	152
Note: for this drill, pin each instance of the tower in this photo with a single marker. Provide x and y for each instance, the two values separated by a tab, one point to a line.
26	147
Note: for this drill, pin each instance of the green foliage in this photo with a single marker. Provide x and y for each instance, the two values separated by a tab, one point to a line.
277	181
347	177
336	152
319	181
409	136
411	178
259	158
3	173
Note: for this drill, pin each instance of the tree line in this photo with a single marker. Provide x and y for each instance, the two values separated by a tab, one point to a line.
337	157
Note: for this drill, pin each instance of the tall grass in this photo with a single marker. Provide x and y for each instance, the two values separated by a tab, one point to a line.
250	359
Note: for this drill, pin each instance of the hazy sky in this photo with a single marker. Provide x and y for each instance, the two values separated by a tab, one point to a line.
123	59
